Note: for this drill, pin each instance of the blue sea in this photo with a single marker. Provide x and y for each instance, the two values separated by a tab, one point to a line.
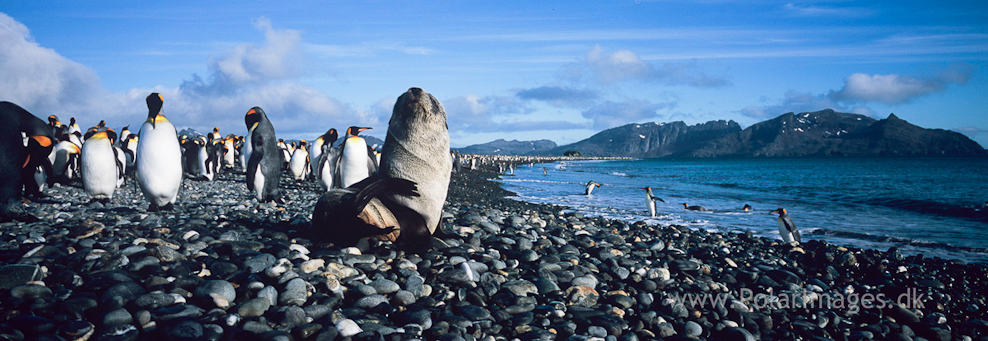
931	206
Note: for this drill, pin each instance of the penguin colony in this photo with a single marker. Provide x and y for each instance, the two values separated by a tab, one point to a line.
394	194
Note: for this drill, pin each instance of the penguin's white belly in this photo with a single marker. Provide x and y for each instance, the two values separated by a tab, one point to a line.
258	184
99	169
203	170
651	205
159	163
298	165
228	158
326	176
353	166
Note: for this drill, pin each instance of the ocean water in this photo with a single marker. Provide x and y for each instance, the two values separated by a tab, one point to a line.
931	206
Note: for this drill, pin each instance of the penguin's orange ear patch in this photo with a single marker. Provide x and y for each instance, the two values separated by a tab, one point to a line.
42	140
251	112
161	98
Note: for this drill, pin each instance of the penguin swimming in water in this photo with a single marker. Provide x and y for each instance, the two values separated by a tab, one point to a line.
356	161
159	157
264	165
15	157
299	165
650	200
747	208
694	207
100	165
787	228
590	186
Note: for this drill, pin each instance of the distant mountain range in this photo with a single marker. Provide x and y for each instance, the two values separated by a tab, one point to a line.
513	147
821	133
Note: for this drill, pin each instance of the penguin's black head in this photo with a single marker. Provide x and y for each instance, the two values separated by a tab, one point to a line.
747	207
101	124
154	101
126	127
253	116
780	211
111	135
354	130
52	120
331	136
72	120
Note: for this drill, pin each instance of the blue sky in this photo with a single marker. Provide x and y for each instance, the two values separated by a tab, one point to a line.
515	70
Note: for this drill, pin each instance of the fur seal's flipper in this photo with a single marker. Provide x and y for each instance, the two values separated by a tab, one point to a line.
344	216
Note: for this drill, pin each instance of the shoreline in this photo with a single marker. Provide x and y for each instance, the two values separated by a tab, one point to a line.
224	267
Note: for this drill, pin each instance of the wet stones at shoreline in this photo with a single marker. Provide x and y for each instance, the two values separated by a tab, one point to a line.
223	267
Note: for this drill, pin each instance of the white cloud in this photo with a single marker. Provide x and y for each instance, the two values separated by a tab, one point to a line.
793	101
624	65
43	81
475	114
612	114
896	89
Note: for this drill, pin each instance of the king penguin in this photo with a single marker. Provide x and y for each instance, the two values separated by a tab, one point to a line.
264	164
206	170
14	157
650	200
417	149
100	165
355	162
315	152
62	158
687	206
787	228
327	164
299	165
590	186
159	157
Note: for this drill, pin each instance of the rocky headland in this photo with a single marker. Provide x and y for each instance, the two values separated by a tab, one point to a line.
223	267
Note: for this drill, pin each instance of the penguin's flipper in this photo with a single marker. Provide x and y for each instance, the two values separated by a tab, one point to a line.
791	227
657	199
372	165
120	166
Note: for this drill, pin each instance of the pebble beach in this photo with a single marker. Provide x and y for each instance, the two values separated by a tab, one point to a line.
221	266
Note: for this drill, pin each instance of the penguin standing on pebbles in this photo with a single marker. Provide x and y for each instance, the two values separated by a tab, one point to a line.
15	157
159	157
356	161
264	165
787	228
315	153
100	165
299	165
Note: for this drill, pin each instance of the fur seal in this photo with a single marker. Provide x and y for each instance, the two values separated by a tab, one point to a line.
417	149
